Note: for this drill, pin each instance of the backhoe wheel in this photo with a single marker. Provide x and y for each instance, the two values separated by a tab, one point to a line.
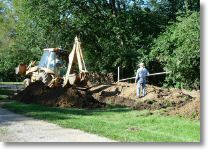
44	77
26	82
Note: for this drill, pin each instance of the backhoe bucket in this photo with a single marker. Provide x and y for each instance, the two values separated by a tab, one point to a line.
76	79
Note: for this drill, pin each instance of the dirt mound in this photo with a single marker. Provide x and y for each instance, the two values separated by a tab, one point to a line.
125	94
38	93
157	98
175	101
190	110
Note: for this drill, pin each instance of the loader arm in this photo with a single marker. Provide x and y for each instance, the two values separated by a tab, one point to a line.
76	57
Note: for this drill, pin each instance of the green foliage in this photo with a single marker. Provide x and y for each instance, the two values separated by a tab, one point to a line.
178	50
11	58
173	8
113	33
110	36
7	31
7	35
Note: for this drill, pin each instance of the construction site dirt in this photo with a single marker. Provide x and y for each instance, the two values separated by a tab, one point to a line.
158	100
38	93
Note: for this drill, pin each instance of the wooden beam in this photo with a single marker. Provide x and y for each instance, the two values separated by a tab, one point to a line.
153	74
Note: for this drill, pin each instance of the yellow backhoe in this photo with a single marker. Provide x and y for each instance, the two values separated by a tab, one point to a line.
57	68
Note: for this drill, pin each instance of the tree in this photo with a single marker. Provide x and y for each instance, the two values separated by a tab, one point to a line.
13	51
174	8
178	51
7	30
113	31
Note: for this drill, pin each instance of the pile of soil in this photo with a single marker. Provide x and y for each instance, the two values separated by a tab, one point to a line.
178	102
174	101
125	94
38	93
190	110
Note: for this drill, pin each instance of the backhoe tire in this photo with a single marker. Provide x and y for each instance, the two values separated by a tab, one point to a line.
44	77
26	82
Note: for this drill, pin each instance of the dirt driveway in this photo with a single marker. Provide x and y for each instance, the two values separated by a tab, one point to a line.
18	128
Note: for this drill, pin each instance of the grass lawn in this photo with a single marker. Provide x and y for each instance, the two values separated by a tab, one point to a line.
5	92
121	124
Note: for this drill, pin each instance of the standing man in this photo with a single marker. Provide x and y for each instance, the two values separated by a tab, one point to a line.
141	74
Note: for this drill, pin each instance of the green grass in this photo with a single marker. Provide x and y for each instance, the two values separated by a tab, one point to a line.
121	124
3	97
6	92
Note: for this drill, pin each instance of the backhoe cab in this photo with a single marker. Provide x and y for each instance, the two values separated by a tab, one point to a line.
52	60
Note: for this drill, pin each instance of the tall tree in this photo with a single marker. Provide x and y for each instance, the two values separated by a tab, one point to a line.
7	23
178	51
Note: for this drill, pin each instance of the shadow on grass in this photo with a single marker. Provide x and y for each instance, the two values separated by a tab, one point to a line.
54	113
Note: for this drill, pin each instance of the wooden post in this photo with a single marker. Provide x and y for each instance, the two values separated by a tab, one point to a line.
118	74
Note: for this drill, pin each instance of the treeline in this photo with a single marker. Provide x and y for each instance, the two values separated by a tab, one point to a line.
162	33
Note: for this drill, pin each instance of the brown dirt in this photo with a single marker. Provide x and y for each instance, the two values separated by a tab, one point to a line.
38	93
125	94
176	102
190	110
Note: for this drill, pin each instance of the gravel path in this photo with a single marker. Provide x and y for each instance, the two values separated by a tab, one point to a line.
18	128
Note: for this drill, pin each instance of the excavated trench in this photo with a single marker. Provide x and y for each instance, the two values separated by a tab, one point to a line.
177	102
